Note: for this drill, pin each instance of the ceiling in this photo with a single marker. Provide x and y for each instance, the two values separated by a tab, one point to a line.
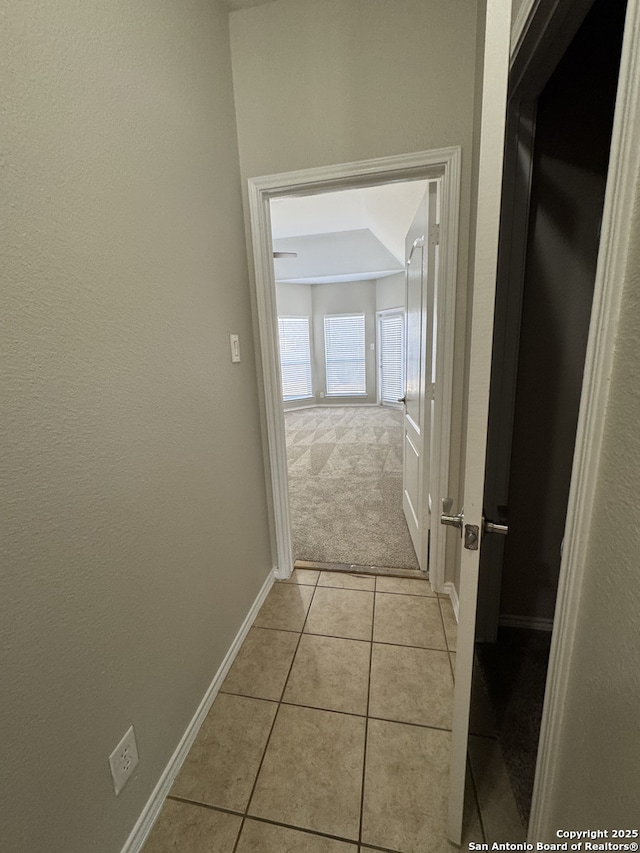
340	256
347	235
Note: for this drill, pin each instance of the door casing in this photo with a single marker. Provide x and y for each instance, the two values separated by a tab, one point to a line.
444	164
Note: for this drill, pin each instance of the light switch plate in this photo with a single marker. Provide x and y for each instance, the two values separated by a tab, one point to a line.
234	340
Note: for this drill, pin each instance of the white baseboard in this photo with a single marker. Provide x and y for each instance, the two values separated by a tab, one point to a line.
346	405
286	409
535	623
331	406
151	810
451	591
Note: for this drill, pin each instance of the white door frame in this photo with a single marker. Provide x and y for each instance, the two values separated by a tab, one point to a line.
441	163
379	315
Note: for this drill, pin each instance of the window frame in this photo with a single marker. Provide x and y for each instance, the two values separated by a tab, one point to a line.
327	319
310	394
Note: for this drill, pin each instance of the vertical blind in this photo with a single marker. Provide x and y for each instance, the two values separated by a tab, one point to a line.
295	357
345	354
391	357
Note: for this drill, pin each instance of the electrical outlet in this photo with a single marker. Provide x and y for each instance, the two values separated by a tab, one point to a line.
123	760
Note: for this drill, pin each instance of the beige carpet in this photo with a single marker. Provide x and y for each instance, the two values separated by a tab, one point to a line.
345	486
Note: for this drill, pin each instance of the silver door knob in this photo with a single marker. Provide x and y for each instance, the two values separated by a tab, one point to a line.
452	520
449	519
500	527
492	527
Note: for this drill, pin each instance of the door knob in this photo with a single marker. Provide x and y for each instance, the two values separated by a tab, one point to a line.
452	520
500	527
449	519
492	527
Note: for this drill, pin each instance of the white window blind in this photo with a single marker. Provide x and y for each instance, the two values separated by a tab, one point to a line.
391	357
345	355
295	357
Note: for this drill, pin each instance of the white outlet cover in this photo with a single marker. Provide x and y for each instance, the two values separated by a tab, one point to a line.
124	760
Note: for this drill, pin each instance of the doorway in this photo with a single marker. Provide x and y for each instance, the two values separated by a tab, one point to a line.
442	165
339	276
528	476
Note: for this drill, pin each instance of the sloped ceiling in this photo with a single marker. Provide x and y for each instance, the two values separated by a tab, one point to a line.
348	235
340	256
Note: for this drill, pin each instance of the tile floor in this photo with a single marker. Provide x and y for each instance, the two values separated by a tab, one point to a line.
331	732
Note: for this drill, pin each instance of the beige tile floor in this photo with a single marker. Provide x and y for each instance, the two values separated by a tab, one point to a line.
331	732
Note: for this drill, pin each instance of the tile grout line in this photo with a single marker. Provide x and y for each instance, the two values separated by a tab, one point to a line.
244	815
188	802
290	704
474	788
446	640
270	822
444	630
358	639
366	723
275	717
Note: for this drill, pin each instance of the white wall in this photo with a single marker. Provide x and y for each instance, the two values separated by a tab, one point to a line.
293	300
319	82
316	300
128	563
353	297
390	292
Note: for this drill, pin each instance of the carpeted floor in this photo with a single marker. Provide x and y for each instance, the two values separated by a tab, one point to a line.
345	486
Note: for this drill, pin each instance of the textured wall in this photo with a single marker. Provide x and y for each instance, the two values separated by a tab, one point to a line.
134	522
319	82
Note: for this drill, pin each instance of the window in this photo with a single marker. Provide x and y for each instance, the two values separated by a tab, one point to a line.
391	357
345	355
295	357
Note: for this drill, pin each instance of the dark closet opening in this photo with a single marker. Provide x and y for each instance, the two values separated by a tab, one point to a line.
574	121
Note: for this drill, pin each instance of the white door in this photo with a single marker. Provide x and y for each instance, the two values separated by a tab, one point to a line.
420	265
496	65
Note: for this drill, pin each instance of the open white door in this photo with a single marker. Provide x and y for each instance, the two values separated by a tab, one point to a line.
421	268
494	98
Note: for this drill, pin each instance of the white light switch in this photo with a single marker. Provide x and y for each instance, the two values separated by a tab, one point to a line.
234	340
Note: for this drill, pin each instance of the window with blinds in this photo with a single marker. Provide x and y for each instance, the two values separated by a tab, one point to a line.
391	357
295	357
344	351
